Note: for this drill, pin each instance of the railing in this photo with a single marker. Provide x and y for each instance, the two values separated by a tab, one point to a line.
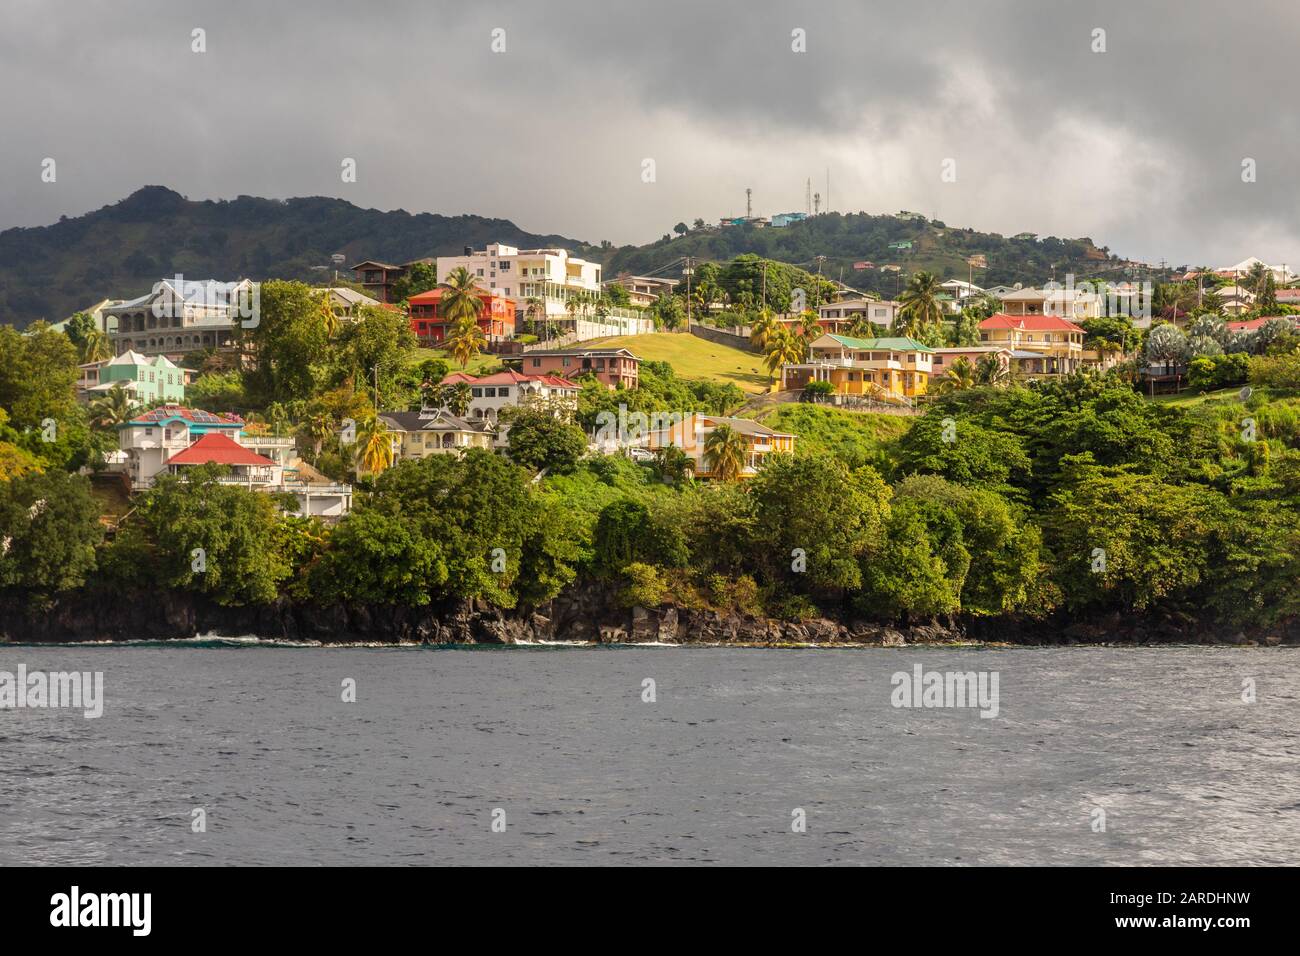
266	441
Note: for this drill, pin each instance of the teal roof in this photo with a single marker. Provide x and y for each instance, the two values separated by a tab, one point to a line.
897	343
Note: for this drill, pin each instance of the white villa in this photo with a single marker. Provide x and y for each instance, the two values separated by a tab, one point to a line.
555	279
170	438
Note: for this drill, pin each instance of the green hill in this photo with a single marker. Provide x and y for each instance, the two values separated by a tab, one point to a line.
857	237
121	250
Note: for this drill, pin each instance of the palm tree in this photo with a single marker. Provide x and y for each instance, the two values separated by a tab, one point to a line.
534	310
990	371
861	328
724	453
810	326
760	330
96	347
115	407
1257	277
375	452
959	377
466	340
783	348
461	296
920	310
454	397
278	415
318	428
329	317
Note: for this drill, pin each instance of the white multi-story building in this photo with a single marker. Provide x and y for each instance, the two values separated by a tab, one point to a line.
551	275
839	316
170	438
565	289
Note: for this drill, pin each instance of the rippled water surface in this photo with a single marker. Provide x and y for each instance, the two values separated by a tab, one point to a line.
560	739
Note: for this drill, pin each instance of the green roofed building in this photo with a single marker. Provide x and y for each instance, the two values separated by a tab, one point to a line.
150	380
893	370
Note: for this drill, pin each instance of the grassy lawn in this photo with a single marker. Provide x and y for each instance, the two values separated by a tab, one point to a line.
477	364
693	357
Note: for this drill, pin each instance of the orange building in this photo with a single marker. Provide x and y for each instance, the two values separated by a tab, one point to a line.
496	319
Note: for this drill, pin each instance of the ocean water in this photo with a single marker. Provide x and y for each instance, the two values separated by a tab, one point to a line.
558	743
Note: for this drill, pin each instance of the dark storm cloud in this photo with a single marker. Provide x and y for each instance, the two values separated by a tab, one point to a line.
1139	147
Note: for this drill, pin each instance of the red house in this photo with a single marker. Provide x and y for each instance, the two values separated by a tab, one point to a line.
496	318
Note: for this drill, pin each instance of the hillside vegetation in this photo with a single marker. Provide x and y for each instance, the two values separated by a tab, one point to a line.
119	251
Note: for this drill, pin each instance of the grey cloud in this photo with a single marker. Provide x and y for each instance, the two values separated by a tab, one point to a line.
551	134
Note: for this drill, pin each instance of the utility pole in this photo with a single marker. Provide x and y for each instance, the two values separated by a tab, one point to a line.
819	260
763	307
749	204
688	272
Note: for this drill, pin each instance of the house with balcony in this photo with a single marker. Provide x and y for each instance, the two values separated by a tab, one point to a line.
1040	344
895	369
1234	300
170	438
613	367
839	317
377	278
548	285
1073	304
179	316
148	381
644	291
959	294
496	317
491	393
435	431
691	434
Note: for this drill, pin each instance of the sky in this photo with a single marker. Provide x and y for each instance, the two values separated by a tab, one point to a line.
1002	115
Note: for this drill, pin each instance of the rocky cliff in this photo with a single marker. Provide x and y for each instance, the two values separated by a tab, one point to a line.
587	613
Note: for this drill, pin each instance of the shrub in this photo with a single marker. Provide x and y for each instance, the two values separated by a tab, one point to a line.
642	586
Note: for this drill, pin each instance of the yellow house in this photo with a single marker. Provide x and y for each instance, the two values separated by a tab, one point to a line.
897	368
1039	344
434	431
692	432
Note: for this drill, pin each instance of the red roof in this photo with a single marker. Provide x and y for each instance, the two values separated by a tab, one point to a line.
1249	325
434	295
1030	323
216	448
511	377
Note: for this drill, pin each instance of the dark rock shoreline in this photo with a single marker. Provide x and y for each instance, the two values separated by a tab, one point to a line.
582	614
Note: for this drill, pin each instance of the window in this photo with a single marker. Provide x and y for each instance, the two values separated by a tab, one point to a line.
537	363
476	392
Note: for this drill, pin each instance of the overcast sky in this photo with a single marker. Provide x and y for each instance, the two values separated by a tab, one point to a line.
1139	147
